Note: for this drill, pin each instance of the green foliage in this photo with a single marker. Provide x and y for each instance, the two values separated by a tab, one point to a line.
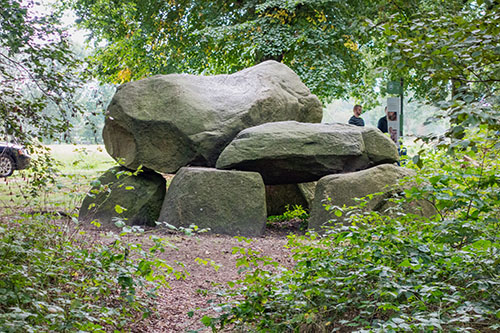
448	54
313	37
379	273
463	182
41	94
37	70
53	277
296	212
288	217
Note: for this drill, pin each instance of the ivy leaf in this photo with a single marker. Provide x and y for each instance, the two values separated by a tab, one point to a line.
406	263
119	209
207	321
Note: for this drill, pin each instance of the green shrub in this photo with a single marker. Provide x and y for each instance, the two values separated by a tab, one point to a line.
55	278
380	274
293	214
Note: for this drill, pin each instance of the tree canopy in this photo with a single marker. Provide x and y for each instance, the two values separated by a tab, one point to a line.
446	51
315	38
37	69
340	49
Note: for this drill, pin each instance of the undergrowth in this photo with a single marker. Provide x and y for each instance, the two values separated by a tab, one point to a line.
294	217
394	272
54	277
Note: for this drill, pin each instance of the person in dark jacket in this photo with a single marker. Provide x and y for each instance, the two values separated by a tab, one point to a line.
356	119
382	122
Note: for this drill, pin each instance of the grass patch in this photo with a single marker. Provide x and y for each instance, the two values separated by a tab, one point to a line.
82	159
60	186
294	218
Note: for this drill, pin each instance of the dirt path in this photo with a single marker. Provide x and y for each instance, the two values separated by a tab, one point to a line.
194	292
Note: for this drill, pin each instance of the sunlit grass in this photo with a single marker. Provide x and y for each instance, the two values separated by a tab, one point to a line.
83	159
77	166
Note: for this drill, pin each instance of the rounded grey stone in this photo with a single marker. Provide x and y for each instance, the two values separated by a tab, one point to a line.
227	202
140	195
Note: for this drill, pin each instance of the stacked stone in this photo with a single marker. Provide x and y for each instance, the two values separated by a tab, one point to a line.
233	142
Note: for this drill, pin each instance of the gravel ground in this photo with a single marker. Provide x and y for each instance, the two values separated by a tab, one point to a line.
192	294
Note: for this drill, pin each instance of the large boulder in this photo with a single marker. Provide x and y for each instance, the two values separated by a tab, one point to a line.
227	202
293	152
118	193
342	189
169	121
